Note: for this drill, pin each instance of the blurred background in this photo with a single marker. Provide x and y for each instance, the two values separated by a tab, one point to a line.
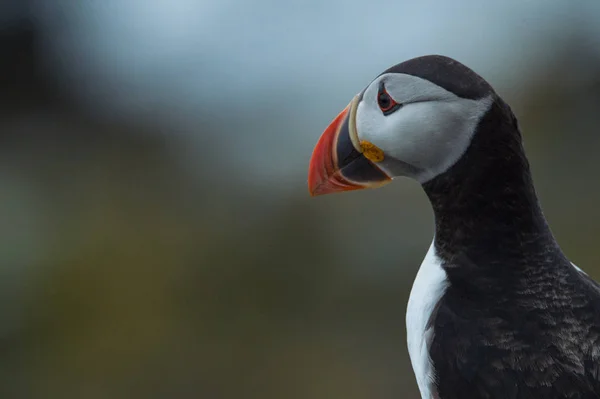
157	239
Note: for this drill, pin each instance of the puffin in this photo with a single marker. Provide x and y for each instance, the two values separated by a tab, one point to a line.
496	311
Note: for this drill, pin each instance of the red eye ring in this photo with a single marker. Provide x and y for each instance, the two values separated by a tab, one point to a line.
386	103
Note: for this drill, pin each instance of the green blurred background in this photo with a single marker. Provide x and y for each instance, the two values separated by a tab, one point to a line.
157	239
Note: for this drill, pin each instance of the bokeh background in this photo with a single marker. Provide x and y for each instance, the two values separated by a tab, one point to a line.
157	239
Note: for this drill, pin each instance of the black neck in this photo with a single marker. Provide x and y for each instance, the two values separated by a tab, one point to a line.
485	205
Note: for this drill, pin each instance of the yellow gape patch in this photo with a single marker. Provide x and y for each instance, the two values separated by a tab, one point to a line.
371	151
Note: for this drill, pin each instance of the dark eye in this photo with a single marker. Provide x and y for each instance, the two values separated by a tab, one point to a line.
385	102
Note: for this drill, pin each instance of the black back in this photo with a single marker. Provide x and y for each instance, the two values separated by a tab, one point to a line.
517	320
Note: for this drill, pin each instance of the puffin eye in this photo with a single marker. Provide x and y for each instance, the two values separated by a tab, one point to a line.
385	101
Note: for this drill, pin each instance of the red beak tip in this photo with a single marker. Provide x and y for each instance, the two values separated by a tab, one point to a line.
316	191
324	175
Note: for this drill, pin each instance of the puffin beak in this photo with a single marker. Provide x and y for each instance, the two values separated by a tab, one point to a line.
340	162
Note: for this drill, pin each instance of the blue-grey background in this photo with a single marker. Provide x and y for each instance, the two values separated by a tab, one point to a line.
157	239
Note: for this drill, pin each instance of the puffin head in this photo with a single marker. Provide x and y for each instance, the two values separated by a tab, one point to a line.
416	119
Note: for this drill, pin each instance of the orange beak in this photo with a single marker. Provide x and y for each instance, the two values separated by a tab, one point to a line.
338	163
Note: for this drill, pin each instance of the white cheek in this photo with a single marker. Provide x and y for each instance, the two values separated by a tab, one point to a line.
369	123
429	135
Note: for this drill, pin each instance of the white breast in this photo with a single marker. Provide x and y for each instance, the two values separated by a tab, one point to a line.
428	288
578	269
